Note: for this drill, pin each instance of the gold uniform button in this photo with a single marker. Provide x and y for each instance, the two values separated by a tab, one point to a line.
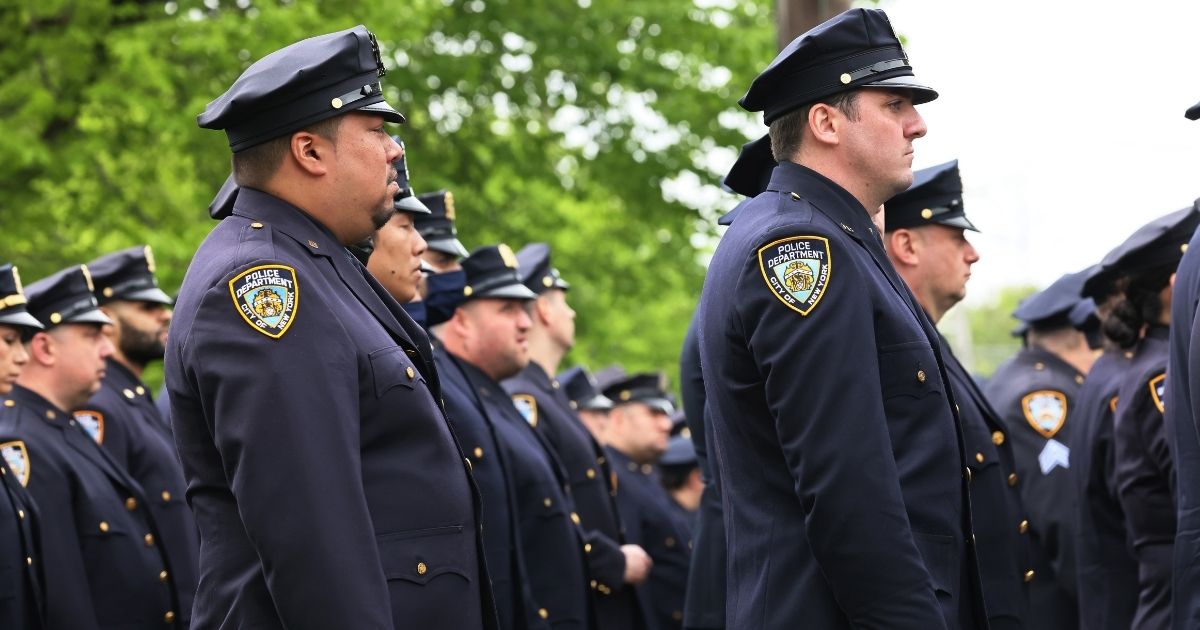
162	576
1079	379
149	538
169	617
920	376
647	469
593	585
547	502
422	569
543	613
1012	479
591	474
1029	576
9	403
21	514
600	461
555	384
997	437
670	542
141	391
131	504
574	518
1024	527
49	415
574	405
410	372
927	214
55	318
979	457
103	526
587	548
166	496
128	393
28	561
478	453
1039	366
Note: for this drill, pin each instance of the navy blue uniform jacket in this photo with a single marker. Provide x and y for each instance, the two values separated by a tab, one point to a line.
1001	526
1035	394
590	477
1145	477
1106	571
652	522
842	471
1182	418
310	457
704	605
22	590
510	580
102	556
131	430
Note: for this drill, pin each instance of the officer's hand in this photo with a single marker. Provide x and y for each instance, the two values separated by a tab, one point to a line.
637	564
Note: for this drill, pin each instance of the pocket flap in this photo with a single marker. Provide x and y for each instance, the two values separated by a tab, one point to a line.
421	555
391	367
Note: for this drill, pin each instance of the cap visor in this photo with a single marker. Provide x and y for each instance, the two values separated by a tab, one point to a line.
411	204
95	316
921	93
21	319
597	403
153	294
448	246
958	222
509	291
660	404
427	268
1193	112
383	109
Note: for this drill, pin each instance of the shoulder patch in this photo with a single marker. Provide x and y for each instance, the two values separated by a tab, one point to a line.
1158	390
797	270
527	405
1045	410
16	457
266	297
93	422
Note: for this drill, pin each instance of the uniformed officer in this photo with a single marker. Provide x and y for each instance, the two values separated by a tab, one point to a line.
299	387
396	248
1036	392
680	475
865	521
485	342
1106	571
102	554
122	416
438	228
22	590
1144	472
704	602
592	407
540	398
639	430
926	242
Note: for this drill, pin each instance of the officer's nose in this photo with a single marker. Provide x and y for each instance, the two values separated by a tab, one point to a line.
916	126
971	254
106	346
419	244
395	151
20	355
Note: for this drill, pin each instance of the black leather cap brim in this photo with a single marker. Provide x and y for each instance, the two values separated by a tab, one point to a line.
921	93
450	246
153	294
958	222
658	404
508	291
383	109
22	319
1193	112
95	316
411	204
598	402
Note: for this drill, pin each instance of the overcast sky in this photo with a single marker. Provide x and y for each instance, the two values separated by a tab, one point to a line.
1066	118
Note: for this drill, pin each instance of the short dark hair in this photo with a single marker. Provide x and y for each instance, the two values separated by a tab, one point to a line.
787	131
254	166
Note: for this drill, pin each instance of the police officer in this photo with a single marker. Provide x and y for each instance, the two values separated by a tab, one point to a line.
704	602
279	333
1144	472
865	520
102	554
926	242
1036	393
485	342
639	429
680	475
585	398
22	590
122	416
1106	571
396	248
541	400
438	228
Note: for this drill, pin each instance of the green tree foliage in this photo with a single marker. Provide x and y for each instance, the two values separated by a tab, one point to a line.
557	120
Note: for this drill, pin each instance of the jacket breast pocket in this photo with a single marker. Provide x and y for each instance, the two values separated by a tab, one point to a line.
420	556
391	367
909	369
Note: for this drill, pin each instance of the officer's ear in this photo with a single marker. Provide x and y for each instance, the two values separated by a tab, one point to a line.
310	152
903	247
42	348
824	123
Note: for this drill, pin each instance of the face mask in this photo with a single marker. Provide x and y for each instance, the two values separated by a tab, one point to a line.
417	311
444	295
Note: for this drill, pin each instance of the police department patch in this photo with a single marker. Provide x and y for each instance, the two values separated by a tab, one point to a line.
796	270
1158	390
527	405
266	297
17	459
1045	410
92	422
